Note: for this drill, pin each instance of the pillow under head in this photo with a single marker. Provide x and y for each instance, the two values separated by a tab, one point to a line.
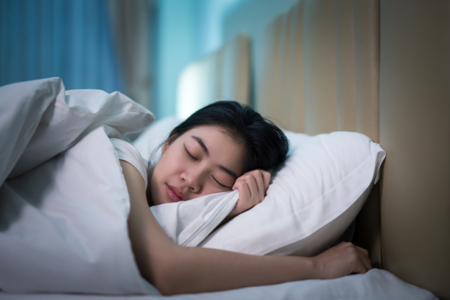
313	198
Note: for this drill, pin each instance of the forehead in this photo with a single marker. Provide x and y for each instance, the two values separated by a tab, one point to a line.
222	148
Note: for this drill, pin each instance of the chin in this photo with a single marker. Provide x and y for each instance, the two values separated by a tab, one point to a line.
160	199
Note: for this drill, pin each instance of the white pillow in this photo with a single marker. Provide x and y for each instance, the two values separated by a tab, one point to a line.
313	198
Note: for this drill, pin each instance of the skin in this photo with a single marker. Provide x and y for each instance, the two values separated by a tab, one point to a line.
173	269
203	161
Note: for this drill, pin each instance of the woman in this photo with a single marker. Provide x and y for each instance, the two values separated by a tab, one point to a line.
221	147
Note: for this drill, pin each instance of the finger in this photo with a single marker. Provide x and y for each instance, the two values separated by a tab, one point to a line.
260	183
237	183
364	259
241	186
244	203
266	178
365	265
367	262
245	178
252	184
363	255
363	250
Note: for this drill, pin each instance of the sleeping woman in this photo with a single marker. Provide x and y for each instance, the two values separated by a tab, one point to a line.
222	147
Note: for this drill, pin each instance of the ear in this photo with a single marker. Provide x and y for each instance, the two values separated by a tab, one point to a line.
169	141
165	145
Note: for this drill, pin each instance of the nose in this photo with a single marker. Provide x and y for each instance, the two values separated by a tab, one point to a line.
193	179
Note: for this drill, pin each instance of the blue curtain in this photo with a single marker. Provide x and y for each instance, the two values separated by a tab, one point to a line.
71	39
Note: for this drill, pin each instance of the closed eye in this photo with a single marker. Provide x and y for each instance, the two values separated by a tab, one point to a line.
190	155
222	185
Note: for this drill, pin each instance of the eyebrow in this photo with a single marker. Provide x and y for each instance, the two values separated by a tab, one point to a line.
200	141
229	172
202	144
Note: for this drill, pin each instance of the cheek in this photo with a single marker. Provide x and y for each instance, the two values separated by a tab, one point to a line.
165	171
169	165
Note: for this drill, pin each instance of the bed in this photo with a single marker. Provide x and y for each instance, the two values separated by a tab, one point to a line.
340	66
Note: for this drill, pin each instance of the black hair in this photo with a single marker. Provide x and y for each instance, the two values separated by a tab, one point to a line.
265	144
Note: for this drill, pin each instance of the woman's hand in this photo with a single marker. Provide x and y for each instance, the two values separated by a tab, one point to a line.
341	260
252	188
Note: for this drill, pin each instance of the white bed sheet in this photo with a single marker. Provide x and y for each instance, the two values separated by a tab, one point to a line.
375	284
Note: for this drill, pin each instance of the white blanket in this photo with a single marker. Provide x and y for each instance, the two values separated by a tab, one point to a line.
63	213
63	220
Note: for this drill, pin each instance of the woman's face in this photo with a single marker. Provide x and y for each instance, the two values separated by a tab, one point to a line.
202	161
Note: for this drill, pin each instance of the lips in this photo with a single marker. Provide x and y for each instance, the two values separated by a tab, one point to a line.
174	193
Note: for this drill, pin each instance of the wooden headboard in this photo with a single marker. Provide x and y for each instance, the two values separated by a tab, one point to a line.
321	68
381	68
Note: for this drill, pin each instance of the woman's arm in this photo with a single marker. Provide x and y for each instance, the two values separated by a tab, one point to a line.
173	269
